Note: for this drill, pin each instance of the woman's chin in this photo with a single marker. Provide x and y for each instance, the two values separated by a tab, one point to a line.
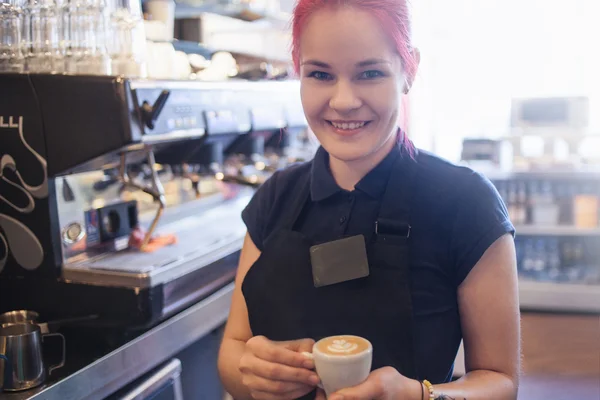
348	152
360	148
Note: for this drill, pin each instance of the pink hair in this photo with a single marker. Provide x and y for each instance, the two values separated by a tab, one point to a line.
394	17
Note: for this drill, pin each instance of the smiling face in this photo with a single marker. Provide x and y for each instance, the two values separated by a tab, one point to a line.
351	83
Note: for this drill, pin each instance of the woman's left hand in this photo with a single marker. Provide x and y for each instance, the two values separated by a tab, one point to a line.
382	384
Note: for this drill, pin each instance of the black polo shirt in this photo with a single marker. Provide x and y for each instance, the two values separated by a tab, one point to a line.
456	214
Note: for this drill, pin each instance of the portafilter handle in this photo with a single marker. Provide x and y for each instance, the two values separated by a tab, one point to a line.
156	190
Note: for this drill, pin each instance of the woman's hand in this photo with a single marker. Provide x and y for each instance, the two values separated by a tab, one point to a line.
277	370
382	384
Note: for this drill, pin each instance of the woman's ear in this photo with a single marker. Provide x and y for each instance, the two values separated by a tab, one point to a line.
409	80
417	57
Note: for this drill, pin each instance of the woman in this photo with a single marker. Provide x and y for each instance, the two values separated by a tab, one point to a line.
437	236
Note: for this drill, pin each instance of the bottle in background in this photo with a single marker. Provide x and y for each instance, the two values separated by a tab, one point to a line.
540	259
564	203
545	209
597	190
522	203
577	271
553	256
586	207
527	265
511	201
532	187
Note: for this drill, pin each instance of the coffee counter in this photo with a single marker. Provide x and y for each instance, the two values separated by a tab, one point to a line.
93	374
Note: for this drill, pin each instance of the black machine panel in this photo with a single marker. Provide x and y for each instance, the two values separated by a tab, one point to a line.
28	217
85	119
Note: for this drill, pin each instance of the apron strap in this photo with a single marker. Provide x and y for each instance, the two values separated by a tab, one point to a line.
392	232
393	217
301	197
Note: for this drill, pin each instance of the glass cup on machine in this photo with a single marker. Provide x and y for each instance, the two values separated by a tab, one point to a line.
43	37
84	30
11	43
126	38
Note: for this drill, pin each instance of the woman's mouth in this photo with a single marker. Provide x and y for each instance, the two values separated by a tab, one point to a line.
347	127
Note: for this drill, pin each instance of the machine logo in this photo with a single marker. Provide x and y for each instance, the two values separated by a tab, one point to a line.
10	123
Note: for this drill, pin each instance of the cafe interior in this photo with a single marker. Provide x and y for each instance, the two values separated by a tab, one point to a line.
133	133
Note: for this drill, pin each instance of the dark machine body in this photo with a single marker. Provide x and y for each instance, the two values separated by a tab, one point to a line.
84	161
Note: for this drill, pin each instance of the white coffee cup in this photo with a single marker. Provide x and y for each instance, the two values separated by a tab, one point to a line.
341	361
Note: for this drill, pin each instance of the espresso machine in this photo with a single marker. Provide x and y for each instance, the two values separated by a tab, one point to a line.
121	198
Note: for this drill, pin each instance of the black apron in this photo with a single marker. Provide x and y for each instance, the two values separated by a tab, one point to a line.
283	303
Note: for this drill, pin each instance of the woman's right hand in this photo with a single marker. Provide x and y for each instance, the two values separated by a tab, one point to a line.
278	370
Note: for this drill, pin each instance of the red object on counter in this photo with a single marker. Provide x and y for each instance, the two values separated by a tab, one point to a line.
136	239
228	190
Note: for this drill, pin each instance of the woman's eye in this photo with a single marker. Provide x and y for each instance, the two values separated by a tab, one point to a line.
320	75
371	74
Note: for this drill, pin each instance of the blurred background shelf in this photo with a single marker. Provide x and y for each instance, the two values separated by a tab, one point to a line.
561	297
570	173
238	11
237	30
190	47
549	230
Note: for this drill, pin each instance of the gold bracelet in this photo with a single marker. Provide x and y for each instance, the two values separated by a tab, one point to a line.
430	388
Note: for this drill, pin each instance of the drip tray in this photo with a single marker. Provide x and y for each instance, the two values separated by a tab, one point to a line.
201	240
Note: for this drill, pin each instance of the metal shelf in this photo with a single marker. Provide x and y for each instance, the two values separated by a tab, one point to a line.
562	297
237	11
555	230
106	375
591	173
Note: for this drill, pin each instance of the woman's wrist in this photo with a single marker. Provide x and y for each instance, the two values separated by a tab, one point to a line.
417	391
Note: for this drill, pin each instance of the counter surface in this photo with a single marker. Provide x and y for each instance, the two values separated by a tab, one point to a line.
93	375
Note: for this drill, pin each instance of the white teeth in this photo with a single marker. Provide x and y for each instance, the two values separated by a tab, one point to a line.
348	126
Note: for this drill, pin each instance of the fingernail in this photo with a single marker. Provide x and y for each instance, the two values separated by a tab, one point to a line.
314	379
308	364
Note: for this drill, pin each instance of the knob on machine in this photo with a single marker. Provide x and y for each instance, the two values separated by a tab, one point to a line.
150	113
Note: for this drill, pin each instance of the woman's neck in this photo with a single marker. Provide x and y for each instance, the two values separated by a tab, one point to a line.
348	173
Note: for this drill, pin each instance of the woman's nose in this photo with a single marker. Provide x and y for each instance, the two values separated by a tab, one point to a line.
344	98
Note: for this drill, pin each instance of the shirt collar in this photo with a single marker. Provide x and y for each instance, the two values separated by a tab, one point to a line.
323	185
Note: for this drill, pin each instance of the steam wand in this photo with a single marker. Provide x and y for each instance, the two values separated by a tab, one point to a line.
156	190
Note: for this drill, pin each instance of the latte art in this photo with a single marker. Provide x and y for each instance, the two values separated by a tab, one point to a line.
342	346
345	345
342	361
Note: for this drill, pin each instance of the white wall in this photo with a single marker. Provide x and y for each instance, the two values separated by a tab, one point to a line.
477	54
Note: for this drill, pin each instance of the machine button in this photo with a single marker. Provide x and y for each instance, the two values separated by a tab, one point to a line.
73	233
